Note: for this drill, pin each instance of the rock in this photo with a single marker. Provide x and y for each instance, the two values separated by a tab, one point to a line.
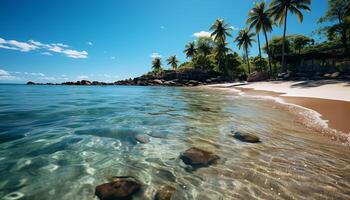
245	137
119	188
157	81
335	75
327	75
85	82
30	83
198	158
257	76
169	83
193	83
165	193
142	138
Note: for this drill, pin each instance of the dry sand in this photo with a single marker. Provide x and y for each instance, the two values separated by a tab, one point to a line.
330	98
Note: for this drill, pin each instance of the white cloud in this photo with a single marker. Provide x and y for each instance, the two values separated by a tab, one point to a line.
81	77
234	28
5	75
155	55
90	43
47	48
75	54
202	34
46	53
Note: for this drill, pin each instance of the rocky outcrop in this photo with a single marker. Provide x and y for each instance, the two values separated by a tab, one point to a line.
257	76
196	157
165	193
190	77
246	137
119	188
30	83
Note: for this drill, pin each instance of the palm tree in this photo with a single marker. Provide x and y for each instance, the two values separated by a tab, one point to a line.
157	64
221	30
172	60
204	48
259	18
190	49
245	40
279	10
221	51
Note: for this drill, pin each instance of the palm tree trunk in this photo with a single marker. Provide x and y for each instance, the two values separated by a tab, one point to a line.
259	45
246	53
268	52
284	68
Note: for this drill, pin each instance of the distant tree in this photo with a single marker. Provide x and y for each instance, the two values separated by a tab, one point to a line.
204	45
172	60
259	63
190	50
245	40
276	46
300	42
221	51
279	9
338	12
259	19
221	31
157	64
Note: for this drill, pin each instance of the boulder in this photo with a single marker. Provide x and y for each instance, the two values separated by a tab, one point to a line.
257	76
246	137
335	75
157	81
165	193
142	138
85	82
196	157
119	188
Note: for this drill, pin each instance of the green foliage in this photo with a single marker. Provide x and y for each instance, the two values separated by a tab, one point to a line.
259	18
172	60
157	64
275	45
299	42
280	8
338	13
205	45
190	50
245	40
259	63
221	31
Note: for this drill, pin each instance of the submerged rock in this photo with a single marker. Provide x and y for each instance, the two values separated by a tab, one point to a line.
165	193
198	158
246	137
142	138
119	188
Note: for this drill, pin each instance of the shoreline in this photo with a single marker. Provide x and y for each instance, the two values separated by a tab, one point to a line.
329	101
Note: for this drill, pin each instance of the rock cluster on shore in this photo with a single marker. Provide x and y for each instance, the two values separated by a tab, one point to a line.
189	77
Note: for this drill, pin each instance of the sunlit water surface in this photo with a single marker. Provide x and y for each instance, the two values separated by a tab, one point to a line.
59	142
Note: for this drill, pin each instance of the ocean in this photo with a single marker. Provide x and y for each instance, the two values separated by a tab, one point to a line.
60	142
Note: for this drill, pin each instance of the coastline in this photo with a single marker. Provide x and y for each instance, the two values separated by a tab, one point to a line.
329	101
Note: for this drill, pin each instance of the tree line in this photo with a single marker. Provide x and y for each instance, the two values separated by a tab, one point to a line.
213	53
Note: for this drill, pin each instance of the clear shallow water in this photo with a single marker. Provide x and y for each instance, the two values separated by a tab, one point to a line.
59	142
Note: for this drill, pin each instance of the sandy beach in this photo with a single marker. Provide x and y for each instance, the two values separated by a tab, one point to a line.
330	98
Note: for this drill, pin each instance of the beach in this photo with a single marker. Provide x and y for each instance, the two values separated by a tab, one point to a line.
329	98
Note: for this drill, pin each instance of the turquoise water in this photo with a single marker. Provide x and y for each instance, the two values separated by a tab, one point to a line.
59	142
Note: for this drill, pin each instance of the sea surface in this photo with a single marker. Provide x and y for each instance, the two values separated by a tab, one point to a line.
60	142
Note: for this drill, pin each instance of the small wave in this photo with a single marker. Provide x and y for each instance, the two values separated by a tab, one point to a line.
307	117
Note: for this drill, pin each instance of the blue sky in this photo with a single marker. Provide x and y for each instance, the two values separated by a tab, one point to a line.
56	41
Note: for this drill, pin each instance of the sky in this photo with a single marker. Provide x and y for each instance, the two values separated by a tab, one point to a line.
65	40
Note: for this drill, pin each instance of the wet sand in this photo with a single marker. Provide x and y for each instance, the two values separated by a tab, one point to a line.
330	99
